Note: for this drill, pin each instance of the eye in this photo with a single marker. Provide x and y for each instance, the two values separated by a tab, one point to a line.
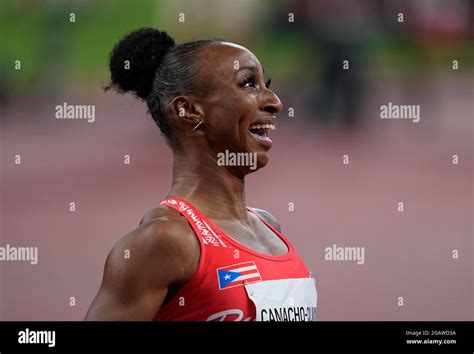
250	81
267	84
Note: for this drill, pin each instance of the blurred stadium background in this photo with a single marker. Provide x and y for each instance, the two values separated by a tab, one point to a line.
336	112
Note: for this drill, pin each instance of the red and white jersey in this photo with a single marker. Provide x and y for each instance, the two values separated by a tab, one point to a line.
235	283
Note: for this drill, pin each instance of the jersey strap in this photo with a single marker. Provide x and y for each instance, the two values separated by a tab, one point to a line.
206	234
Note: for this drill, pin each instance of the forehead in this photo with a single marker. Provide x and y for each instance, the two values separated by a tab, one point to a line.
222	57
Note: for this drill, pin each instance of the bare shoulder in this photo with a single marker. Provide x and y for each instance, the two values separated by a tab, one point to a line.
270	218
161	212
163	240
161	252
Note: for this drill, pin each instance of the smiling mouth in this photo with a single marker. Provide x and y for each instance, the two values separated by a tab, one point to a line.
261	130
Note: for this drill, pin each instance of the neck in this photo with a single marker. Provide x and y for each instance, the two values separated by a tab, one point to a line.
212	189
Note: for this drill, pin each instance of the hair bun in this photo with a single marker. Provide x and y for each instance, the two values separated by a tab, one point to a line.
144	49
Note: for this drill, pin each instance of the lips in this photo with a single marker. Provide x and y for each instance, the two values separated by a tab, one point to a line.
259	131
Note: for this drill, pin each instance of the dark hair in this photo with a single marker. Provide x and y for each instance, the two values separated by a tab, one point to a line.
157	70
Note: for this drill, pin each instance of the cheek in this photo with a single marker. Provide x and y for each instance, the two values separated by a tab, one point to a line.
234	115
244	111
230	118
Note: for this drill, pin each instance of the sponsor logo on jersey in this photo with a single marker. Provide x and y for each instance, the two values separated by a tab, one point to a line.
229	315
237	275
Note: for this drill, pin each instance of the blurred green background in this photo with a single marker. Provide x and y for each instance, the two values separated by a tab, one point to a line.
51	48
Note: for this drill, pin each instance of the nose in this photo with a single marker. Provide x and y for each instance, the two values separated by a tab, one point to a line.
271	103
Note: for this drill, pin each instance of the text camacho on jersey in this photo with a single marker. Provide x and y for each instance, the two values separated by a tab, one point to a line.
235	283
284	299
295	314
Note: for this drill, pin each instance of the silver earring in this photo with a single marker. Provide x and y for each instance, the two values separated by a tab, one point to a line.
197	126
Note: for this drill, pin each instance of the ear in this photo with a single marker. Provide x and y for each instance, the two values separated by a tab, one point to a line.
187	109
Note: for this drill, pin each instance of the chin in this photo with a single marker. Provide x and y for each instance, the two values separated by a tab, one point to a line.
262	160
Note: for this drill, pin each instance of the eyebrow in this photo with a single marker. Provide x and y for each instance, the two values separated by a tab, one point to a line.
251	68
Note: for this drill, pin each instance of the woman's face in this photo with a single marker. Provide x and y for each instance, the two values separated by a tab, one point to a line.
239	111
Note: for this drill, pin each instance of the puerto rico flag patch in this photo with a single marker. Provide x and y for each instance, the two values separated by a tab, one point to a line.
235	275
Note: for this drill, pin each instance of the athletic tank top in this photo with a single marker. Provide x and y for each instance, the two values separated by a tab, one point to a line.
235	283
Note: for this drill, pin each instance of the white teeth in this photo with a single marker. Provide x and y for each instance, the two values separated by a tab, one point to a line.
263	126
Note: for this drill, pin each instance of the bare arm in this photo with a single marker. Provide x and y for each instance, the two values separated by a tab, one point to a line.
141	267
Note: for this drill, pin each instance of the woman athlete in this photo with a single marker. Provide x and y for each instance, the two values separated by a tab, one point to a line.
203	255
